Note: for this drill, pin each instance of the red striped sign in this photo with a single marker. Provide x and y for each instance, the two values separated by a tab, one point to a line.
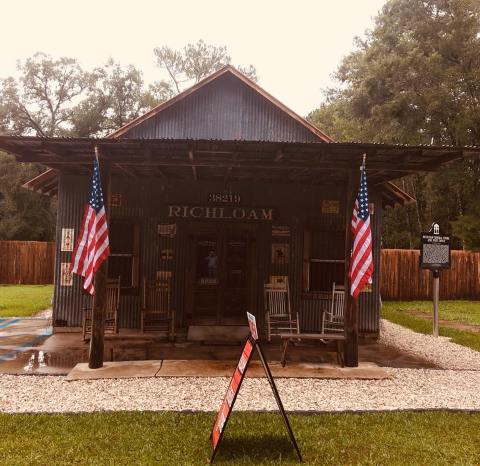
231	395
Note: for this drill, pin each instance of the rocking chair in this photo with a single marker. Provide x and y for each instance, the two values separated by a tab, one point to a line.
278	312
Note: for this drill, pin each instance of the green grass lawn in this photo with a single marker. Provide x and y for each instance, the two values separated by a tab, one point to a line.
24	300
127	438
413	315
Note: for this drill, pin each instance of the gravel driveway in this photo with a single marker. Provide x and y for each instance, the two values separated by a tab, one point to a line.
455	387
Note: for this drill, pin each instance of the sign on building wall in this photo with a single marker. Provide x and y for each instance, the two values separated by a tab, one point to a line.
67	239
66	277
220	213
280	231
278	281
330	207
167	229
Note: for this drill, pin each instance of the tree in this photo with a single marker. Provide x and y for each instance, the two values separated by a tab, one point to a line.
23	215
195	62
415	79
41	101
119	96
56	97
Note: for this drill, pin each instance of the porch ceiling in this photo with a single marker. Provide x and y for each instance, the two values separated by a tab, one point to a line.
306	163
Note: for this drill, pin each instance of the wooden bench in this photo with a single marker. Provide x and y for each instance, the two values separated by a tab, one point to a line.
339	339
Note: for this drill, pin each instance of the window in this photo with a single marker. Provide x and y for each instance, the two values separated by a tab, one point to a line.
124	253
323	259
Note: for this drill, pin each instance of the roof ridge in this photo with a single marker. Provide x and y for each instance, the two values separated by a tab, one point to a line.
215	75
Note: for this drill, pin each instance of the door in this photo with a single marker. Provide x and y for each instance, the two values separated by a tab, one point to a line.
222	275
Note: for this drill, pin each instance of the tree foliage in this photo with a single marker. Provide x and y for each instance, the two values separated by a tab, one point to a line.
195	62
56	97
415	79
23	215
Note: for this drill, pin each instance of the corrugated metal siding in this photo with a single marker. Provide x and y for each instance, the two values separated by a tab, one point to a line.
146	205
369	303
68	300
225	109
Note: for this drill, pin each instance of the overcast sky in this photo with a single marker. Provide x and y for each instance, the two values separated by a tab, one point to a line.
295	45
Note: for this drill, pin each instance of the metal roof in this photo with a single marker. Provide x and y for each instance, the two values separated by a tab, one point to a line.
223	104
309	163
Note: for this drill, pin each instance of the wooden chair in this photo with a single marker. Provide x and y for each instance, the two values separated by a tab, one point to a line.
157	314
278	312
111	309
333	318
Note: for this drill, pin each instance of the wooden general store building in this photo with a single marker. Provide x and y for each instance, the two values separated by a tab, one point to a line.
221	176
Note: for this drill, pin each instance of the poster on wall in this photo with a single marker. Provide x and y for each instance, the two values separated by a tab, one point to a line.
280	253
330	207
281	231
67	239
66	277
168	230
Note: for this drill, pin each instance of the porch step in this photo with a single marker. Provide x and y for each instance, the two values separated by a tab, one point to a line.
217	333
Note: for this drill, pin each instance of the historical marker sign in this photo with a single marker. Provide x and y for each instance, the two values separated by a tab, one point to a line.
435	250
226	407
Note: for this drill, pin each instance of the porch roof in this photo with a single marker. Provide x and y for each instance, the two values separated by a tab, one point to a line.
259	161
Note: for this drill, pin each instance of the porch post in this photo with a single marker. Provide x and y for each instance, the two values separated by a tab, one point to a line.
95	358
351	304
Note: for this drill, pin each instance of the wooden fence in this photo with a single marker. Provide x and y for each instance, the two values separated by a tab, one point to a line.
26	262
32	262
402	278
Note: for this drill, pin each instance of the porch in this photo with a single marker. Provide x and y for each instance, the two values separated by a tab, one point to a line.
59	353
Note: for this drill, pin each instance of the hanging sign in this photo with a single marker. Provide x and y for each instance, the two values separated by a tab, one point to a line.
435	249
226	407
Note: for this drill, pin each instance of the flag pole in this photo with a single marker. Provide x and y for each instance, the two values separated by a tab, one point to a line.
97	339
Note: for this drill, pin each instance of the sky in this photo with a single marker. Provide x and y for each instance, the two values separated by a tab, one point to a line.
295	45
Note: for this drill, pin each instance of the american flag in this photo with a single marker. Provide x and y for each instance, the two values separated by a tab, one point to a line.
361	263
92	245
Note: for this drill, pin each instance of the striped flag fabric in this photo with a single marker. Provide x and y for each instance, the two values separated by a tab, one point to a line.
92	245
361	262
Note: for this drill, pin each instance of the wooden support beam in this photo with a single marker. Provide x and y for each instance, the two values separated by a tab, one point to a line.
351	305
95	358
194	168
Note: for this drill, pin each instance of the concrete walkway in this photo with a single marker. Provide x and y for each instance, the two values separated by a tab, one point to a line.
20	334
210	368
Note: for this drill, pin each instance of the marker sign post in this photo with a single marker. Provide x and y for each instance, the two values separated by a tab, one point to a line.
435	255
225	410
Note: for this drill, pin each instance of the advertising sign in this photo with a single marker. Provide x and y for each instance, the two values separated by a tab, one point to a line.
226	407
231	395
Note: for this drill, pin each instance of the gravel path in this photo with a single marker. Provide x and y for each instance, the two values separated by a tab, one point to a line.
439	351
408	389
456	386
